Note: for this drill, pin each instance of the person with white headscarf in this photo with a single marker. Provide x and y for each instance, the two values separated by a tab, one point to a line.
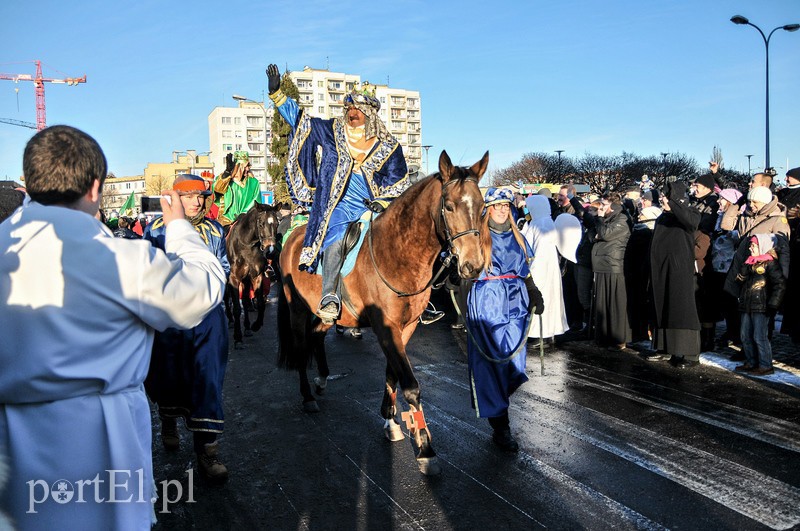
540	232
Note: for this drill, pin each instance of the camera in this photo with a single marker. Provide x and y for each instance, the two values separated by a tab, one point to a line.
151	204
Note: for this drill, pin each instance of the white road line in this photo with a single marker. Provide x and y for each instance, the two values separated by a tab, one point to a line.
367	476
738	420
750	493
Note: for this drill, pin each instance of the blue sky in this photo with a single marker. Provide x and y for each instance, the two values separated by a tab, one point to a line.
509	77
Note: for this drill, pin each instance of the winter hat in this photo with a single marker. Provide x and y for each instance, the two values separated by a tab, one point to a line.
498	195
186	183
649	213
760	194
732	195
706	180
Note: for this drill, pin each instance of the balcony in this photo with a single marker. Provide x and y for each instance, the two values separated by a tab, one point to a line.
336	86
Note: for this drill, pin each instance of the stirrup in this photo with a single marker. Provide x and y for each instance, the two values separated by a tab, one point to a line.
329	308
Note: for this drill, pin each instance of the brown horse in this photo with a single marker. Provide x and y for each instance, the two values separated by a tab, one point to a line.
251	245
388	288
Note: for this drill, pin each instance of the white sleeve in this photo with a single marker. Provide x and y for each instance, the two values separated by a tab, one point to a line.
178	288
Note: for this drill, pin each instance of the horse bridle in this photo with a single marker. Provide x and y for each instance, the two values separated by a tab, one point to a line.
448	237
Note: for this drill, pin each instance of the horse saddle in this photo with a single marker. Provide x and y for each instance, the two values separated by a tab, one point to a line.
352	241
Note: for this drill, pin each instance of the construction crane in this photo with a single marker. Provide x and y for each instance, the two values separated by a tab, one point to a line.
39	81
18	122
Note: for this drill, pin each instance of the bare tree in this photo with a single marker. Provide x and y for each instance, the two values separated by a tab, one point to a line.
156	183
716	156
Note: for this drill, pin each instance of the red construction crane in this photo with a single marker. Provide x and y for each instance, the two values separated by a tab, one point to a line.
39	82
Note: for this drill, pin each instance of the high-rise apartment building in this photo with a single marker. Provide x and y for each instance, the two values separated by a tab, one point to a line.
243	128
322	95
248	126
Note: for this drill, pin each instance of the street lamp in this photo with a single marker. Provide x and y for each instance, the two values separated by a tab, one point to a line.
748	165
664	165
426	148
739	19
239	98
559	151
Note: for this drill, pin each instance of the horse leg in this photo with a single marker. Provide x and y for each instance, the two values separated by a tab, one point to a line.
318	346
236	310
391	428
261	302
303	340
244	291
392	341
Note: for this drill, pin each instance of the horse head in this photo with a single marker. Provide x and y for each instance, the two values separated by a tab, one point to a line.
267	219
461	209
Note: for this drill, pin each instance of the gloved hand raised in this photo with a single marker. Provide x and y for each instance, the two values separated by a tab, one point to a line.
230	164
273	78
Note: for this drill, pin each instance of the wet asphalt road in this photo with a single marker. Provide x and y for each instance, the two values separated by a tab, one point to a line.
607	441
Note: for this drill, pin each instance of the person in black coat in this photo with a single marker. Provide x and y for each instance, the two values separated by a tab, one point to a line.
790	197
610	304
672	268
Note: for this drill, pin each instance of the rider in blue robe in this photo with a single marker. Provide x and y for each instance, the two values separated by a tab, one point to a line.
187	368
336	167
499	311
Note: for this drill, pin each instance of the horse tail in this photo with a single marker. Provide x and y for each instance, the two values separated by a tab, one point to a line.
287	358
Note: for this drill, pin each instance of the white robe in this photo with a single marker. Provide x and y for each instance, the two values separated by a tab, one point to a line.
78	308
541	235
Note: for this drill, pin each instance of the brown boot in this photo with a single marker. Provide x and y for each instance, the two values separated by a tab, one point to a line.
170	437
209	464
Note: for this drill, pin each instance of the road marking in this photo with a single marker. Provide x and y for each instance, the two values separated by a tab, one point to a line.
741	489
738	420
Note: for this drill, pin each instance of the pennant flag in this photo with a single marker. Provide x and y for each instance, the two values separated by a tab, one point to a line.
127	208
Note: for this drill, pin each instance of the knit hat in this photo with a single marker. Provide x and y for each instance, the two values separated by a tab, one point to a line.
498	195
760	194
794	173
732	195
649	213
187	183
706	180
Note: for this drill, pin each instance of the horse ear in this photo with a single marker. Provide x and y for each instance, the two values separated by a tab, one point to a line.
479	168
445	166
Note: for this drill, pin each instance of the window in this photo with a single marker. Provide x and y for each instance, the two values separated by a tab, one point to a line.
127	186
320	84
321	110
227	147
238	134
226	120
253	121
254	147
320	97
237	120
226	133
238	147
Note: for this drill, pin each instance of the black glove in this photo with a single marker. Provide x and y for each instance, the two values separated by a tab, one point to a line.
229	163
376	206
535	301
273	78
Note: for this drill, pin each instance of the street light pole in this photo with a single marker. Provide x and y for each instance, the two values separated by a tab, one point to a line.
239	98
749	174
664	165
426	148
560	172
738	19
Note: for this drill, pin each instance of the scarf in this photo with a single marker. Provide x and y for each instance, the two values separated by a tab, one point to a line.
500	227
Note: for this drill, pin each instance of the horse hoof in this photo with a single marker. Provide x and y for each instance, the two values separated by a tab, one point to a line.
394	433
429	466
248	333
311	406
319	390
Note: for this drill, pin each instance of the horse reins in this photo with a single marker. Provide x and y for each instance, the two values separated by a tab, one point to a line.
449	239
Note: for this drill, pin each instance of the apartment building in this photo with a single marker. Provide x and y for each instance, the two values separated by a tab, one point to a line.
159	176
117	190
246	127
322	95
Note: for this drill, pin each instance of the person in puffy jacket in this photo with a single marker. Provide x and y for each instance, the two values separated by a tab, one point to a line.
761	290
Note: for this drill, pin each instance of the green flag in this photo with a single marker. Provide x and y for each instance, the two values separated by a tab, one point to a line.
127	208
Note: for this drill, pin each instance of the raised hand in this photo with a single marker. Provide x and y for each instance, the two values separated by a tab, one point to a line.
229	163
274	78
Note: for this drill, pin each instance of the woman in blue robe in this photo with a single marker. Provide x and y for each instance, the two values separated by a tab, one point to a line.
500	305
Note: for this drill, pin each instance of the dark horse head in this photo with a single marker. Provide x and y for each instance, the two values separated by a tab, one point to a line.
461	209
263	228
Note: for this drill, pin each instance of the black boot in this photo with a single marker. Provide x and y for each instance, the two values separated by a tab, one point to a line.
502	434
